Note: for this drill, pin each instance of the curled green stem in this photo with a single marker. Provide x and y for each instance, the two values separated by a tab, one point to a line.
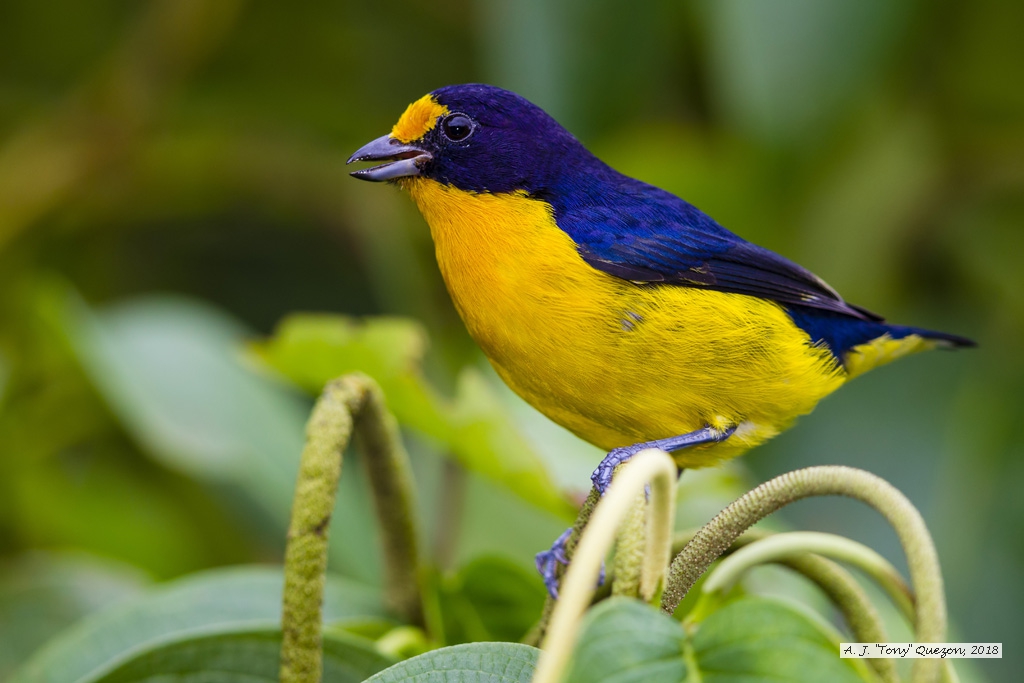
712	540
625	574
794	544
390	475
801	551
838	585
351	403
851	600
537	633
652	466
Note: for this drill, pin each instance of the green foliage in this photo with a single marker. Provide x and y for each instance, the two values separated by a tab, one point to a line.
227	425
469	663
474	428
490	599
243	656
197	148
627	640
42	594
754	640
776	81
761	639
174	623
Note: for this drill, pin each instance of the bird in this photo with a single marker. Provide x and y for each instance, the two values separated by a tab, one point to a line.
617	309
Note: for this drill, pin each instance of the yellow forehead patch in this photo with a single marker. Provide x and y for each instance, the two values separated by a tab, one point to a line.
419	117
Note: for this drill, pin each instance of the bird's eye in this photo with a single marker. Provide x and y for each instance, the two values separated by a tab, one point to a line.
457	127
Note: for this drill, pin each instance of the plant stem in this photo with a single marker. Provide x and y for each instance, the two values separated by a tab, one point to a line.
351	402
390	475
718	535
660	522
652	466
625	574
449	514
851	600
305	559
801	551
538	632
794	544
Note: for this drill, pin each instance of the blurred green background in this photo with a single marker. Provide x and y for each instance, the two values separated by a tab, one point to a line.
172	185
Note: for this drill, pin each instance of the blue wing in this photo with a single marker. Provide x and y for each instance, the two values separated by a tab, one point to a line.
640	233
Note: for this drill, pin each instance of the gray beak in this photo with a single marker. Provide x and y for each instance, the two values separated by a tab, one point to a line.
405	160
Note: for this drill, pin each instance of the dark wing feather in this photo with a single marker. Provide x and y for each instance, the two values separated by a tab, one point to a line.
644	234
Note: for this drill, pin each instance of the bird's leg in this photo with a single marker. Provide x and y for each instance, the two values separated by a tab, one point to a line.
547	563
602	476
549	560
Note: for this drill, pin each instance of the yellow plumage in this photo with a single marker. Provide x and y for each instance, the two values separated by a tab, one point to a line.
634	320
419	118
614	361
883	350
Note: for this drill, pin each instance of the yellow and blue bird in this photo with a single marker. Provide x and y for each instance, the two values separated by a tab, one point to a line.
615	308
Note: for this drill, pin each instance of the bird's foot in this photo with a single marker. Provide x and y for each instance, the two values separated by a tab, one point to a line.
549	560
602	476
547	564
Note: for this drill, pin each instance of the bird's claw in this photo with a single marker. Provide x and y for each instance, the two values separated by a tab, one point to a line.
602	476
547	564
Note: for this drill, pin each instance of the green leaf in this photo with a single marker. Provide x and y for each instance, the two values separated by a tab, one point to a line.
170	370
756	639
750	640
5	372
167	368
784	68
475	428
469	663
244	657
491	598
628	641
218	602
311	349
42	594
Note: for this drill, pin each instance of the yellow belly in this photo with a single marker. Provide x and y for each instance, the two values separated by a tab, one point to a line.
613	361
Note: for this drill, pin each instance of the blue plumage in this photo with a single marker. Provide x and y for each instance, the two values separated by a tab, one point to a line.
633	230
607	332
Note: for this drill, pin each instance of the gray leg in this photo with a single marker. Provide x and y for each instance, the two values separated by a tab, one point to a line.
548	561
602	476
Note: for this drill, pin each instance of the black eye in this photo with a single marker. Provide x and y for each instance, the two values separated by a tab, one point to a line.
457	127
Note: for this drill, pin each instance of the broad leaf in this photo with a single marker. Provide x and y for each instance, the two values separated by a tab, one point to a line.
206	604
772	70
171	371
750	640
469	663
491	598
475	428
244	657
43	594
167	367
625	640
759	639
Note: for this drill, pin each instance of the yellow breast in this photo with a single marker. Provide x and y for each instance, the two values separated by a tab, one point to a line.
616	362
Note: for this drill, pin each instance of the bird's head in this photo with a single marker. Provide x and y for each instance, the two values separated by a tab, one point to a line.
477	138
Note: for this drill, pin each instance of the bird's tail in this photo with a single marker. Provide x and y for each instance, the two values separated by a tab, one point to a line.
898	341
940	339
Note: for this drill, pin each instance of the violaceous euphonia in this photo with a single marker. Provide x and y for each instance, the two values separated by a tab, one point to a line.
615	308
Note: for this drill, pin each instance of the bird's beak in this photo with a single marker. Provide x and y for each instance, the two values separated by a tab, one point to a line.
405	160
